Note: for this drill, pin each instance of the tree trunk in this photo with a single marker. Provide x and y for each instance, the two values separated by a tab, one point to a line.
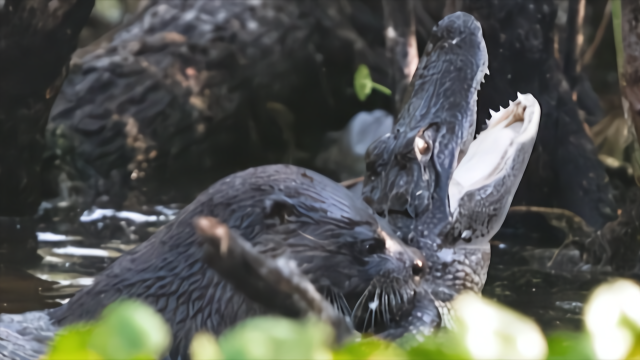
626	17
37	38
564	170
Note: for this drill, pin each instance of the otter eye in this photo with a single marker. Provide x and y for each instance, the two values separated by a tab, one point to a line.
374	246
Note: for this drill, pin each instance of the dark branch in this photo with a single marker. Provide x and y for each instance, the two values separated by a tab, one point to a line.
276	284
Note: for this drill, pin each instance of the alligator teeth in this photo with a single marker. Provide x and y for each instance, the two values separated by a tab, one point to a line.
493	113
487	71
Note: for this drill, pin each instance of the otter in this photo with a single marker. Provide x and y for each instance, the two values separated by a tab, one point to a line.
347	252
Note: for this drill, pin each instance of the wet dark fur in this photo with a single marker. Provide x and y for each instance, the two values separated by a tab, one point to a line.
284	211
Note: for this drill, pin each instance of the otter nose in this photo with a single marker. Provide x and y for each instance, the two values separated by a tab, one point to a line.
417	268
419	264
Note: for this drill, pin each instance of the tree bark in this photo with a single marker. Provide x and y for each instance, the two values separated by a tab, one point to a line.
452	6
37	38
169	103
564	170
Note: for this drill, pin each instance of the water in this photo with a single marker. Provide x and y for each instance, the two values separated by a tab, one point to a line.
72	258
519	275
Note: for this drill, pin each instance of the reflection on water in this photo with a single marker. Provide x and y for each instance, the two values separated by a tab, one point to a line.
72	257
523	276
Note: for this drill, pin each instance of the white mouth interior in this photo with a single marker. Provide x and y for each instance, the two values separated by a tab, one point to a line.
490	154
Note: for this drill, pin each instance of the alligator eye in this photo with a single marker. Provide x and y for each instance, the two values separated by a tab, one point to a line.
420	145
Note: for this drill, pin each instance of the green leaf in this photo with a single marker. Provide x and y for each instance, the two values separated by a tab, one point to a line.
362	82
130	330
204	347
568	345
271	337
370	349
490	330
444	345
612	318
71	343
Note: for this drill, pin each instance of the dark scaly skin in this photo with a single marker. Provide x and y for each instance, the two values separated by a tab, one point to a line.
412	192
282	210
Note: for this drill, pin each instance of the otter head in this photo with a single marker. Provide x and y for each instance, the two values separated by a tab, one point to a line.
408	171
348	252
366	272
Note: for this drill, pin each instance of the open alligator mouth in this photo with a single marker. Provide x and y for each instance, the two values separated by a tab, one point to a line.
484	183
480	193
486	178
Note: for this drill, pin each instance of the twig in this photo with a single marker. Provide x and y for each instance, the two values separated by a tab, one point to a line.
573	41
276	284
349	183
575	228
562	218
606	17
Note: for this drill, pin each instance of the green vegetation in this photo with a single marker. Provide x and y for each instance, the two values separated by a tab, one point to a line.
127	330
363	84
483	329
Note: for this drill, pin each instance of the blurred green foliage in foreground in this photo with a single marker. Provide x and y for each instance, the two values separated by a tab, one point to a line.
483	329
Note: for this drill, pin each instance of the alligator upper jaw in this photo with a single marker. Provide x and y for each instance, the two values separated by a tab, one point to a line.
409	170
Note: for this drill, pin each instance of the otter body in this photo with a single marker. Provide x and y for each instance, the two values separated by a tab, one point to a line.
335	239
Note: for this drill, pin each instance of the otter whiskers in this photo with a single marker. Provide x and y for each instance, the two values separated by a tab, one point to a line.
380	305
338	301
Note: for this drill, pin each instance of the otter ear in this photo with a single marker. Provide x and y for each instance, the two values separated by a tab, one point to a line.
278	210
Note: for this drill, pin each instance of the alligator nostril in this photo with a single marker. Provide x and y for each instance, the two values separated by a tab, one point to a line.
417	269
